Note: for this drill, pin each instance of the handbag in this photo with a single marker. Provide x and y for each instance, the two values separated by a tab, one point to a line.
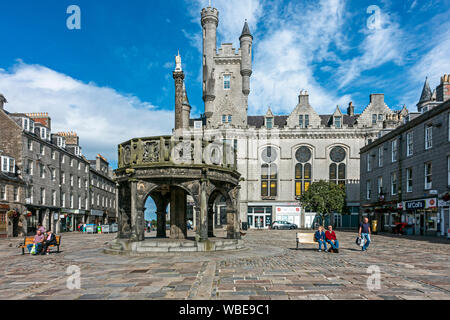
33	250
358	241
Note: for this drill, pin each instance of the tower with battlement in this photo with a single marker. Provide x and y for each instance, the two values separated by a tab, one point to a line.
226	74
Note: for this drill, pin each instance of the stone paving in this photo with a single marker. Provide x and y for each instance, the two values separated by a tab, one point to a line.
269	269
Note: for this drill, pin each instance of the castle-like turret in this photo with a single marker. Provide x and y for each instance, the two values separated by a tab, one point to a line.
210	21
246	41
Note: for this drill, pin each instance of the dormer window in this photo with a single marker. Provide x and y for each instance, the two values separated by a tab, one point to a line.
43	133
227	82
8	165
303	121
61	142
338	122
269	123
26	124
77	151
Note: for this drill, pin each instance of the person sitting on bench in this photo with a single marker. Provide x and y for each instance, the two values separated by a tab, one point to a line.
319	236
38	239
50	240
332	240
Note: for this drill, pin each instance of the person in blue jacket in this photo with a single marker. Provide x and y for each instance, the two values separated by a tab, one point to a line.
319	236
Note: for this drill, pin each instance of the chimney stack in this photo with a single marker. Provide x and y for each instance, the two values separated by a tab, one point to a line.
443	90
303	98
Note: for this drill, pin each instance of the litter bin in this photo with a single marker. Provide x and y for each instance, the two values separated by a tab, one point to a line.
245	226
374	226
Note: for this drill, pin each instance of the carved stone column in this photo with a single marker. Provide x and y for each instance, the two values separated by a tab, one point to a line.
134	212
211	221
161	223
178	223
202	227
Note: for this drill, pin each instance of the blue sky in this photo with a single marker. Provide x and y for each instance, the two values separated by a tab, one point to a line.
112	80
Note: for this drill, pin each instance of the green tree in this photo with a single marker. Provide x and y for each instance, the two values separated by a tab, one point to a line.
324	198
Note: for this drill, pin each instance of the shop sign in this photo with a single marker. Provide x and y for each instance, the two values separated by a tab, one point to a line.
62	216
71	211
97	213
431	203
415	205
421	204
443	203
4	206
288	210
55	216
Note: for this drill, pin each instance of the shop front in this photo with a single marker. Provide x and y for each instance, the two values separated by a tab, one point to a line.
444	218
259	217
289	214
423	216
70	219
3	221
96	217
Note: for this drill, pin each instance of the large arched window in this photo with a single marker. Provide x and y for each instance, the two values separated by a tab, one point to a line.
269	173
303	171
338	169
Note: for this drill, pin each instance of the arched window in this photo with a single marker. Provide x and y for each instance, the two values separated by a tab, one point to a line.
338	168
269	173
303	171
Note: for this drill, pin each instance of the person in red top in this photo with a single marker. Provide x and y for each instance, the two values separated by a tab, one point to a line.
330	235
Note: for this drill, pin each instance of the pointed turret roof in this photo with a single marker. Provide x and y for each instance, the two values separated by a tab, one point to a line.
427	94
246	30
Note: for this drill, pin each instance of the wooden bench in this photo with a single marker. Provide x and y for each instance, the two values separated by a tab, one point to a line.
305	238
30	240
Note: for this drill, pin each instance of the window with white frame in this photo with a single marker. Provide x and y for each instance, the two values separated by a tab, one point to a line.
369	163
409	144
374	119
8	165
42	149
394	183
79	182
227	81
368	190
16	194
394	150
71	180
54	198
53	174
71	162
53	155
409	180
63	159
428	176
428	137
42	171
380	186
42	196
79	202
43	133
380	156
269	123
30	145
71	201
30	167
3	192
63	200
338	122
63	177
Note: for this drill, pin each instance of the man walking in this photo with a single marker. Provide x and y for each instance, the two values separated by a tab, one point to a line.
365	232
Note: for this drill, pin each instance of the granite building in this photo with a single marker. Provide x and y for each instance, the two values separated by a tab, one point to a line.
405	175
279	156
50	172
102	192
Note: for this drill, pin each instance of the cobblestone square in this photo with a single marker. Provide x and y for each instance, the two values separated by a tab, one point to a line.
268	269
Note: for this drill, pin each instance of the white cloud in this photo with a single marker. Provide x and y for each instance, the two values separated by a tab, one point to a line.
379	46
101	116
